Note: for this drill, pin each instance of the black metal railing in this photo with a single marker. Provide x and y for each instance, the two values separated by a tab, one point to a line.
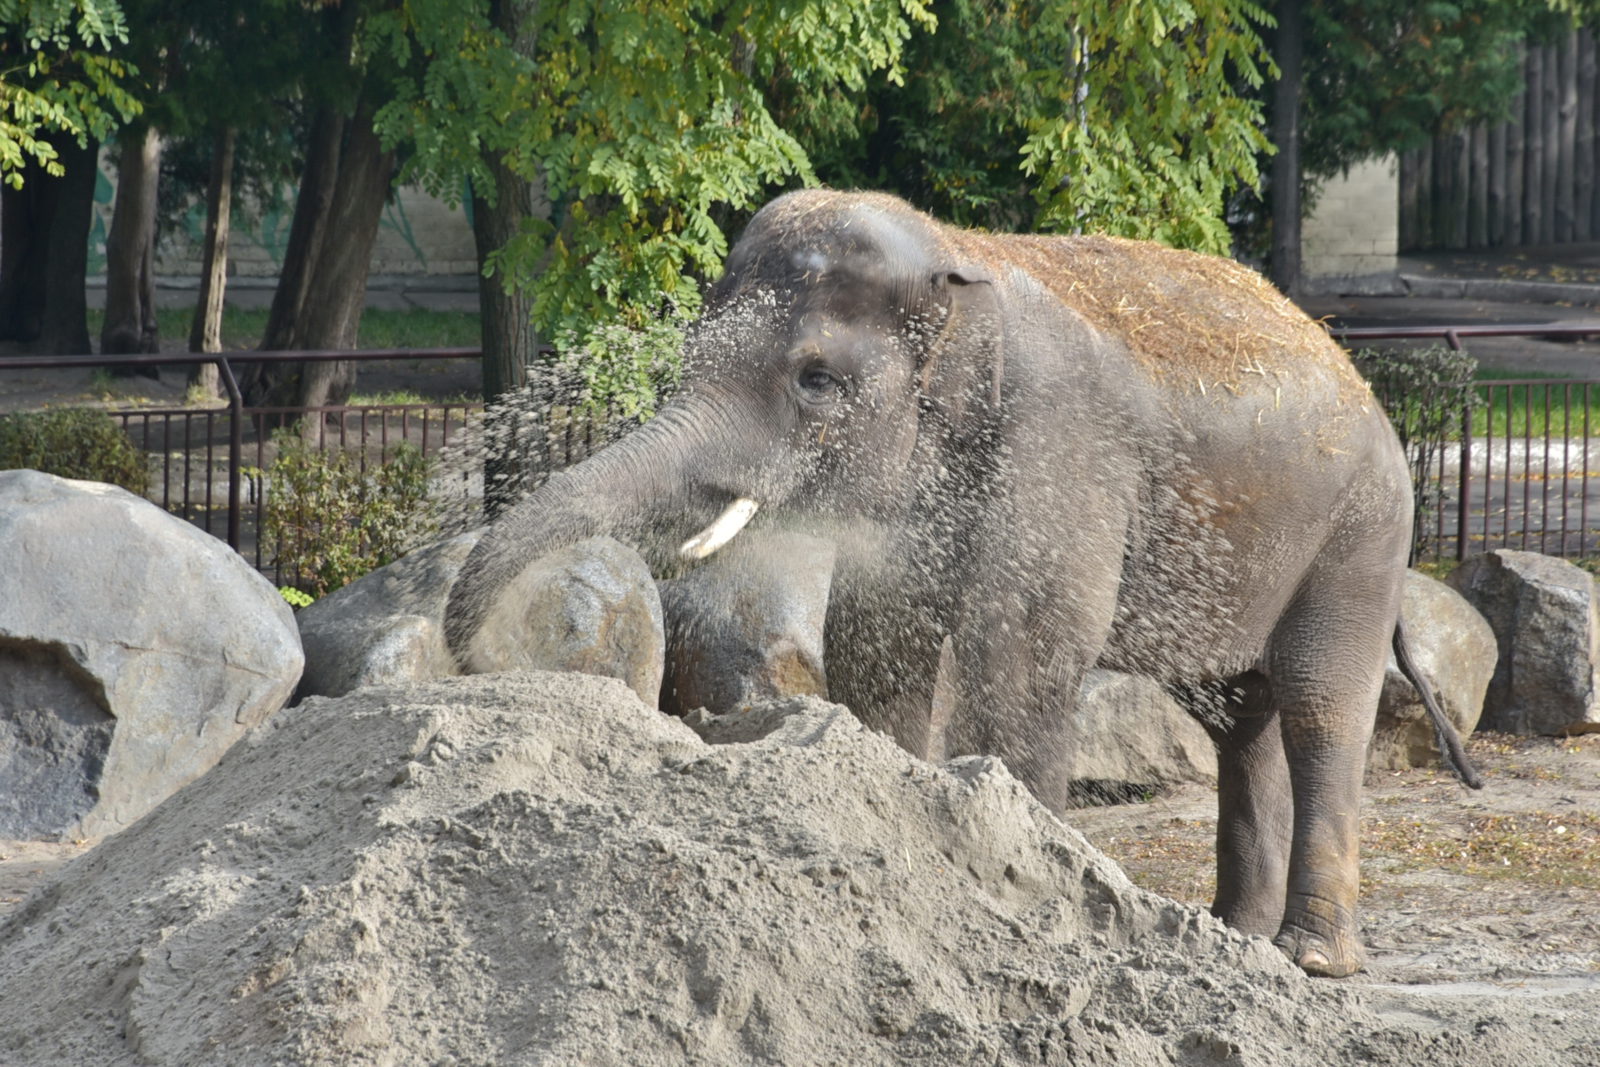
1517	471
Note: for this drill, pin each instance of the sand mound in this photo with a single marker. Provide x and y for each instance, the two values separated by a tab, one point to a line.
539	869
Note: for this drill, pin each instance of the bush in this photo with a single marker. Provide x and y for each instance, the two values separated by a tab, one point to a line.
1426	393
82	443
333	518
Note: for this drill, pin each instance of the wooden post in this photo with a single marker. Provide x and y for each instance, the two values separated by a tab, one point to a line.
1533	149
1461	195
1550	142
1565	214
1496	196
1583	169
1425	196
1516	136
1478	192
1409	181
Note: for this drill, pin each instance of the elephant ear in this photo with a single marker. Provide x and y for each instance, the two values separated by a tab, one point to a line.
965	361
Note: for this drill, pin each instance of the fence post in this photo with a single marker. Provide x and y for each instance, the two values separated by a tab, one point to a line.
1464	496
235	446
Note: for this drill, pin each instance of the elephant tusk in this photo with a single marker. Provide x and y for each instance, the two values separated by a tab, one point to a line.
720	532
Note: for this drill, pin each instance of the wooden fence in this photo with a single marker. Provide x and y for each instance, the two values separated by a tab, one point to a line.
1527	181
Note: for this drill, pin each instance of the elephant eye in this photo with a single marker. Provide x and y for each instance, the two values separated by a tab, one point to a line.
821	382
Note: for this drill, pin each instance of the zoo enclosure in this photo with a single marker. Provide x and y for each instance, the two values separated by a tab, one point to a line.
1521	469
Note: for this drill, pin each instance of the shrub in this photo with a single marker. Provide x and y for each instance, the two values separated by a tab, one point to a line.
82	443
334	517
1426	393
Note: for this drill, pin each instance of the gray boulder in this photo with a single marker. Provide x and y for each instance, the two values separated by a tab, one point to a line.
1547	626
1128	737
1455	648
134	650
385	628
746	626
591	607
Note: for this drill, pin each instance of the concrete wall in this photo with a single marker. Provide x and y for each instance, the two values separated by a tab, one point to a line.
1351	241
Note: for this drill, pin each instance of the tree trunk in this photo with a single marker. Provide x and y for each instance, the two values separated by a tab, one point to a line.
312	205
130	248
1287	47
322	290
205	333
331	313
44	252
510	343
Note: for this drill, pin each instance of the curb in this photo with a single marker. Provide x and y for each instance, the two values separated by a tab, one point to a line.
1500	290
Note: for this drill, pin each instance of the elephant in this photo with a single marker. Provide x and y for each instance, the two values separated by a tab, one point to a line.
1055	453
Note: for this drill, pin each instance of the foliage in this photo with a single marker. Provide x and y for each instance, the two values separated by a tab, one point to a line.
643	123
622	370
82	443
1387	75
333	516
1041	114
1160	134
1426	394
57	78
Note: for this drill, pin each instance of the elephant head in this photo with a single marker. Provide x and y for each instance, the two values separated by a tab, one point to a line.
843	355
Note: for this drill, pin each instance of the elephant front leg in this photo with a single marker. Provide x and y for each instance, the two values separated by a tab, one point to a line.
1018	674
883	658
1255	803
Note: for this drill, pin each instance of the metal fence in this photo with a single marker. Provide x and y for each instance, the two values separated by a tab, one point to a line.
1520	469
211	466
1517	464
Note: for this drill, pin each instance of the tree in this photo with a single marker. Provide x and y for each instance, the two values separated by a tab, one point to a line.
1382	76
634	125
1060	115
344	181
61	92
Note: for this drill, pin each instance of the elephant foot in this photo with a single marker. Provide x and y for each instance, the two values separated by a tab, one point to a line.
1321	957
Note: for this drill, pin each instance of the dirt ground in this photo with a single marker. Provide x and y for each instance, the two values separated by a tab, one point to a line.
1460	889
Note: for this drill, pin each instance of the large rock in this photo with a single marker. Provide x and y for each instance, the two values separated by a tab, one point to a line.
591	607
1547	626
1455	648
747	625
386	628
134	650
1128	737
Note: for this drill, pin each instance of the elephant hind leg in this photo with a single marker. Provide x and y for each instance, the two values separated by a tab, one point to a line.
1255	805
1326	662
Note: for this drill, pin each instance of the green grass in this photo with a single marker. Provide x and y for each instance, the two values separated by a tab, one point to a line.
1534	411
242	327
1526	410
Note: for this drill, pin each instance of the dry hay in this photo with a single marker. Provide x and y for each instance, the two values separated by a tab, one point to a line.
1194	318
1175	310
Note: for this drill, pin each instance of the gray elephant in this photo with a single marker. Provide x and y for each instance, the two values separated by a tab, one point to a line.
1058	452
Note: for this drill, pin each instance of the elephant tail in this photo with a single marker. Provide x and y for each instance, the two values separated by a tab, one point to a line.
1450	747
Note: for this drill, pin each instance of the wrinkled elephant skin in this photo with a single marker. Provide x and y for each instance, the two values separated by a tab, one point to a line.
1060	453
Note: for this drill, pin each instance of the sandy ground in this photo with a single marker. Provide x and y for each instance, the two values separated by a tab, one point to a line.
1462	890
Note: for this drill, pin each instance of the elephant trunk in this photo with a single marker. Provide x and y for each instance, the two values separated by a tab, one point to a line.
651	490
